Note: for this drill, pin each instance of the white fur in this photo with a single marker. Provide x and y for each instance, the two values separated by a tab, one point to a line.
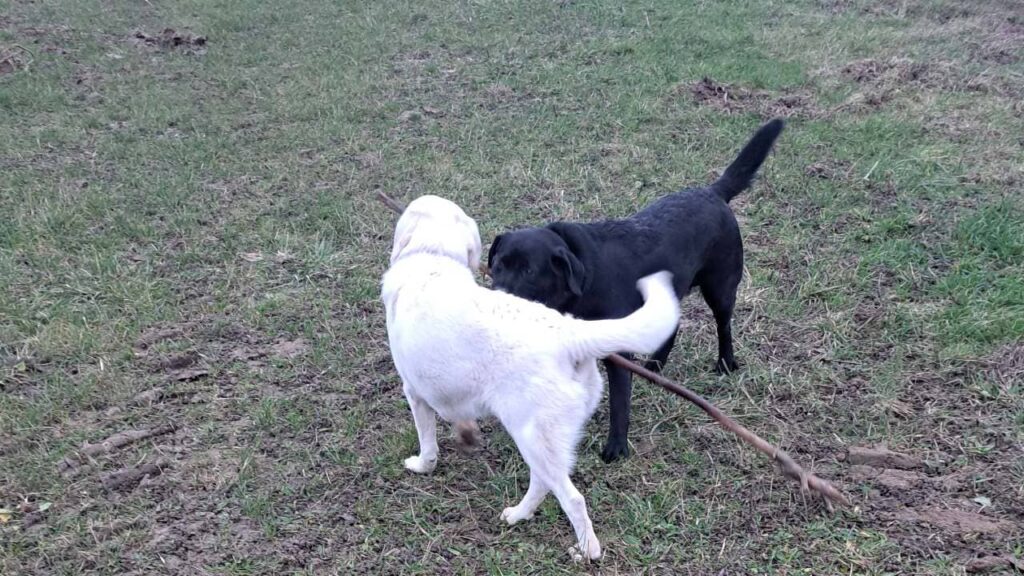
465	352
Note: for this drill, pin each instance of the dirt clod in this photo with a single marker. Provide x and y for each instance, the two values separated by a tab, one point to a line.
290	348
189	374
147	397
882	457
987	563
892	479
110	444
126	478
178	361
151	337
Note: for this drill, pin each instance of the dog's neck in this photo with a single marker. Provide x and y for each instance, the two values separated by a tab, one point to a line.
428	252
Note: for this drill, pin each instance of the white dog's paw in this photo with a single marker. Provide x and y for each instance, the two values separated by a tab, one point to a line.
513	514
419	465
590	550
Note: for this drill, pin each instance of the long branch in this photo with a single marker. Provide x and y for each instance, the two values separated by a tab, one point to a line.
788	466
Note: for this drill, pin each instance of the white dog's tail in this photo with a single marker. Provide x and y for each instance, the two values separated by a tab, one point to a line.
642	331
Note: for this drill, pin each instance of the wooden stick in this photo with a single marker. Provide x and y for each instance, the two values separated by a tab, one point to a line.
786	464
789	468
390	203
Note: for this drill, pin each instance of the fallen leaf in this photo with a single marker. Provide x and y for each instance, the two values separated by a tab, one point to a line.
251	256
43	507
5	515
983	501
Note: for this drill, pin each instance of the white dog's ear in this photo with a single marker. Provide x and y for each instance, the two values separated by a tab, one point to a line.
403	233
474	249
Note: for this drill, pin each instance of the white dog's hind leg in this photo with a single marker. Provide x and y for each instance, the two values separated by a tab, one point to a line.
575	507
534	496
548	449
426	428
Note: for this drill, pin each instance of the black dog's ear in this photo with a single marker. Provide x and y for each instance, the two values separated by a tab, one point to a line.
494	248
579	243
571	269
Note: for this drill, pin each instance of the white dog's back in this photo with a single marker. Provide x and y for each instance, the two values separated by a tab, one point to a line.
472	344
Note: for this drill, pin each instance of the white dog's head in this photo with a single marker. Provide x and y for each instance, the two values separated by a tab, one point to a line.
434	225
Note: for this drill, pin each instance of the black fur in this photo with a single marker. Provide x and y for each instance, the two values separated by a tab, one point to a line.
590	270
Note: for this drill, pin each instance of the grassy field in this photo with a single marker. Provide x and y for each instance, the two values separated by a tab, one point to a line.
189	240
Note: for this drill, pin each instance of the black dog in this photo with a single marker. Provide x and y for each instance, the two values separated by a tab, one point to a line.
590	270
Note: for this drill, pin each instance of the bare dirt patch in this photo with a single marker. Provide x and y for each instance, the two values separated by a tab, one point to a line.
957	521
171	39
925	500
734	99
892	71
14	58
829	169
882	457
1006	365
987	563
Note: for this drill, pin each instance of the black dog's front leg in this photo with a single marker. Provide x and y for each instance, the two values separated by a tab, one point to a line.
620	387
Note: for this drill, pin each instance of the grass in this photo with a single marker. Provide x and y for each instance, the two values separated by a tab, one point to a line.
223	193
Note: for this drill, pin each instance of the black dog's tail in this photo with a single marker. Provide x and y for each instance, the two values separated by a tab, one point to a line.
739	174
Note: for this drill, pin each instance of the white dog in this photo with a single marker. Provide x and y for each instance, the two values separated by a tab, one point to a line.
464	352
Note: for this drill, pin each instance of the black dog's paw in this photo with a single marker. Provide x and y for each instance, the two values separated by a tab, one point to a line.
724	366
615	449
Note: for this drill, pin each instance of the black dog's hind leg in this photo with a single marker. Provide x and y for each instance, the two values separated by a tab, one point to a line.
620	386
722	300
657	360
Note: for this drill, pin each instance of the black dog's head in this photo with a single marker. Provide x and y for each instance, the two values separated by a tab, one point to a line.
538	265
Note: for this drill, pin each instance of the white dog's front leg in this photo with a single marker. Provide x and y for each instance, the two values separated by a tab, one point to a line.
426	428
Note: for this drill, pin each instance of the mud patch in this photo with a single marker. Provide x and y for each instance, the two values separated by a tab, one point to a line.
881	81
156	335
830	169
171	39
956	521
13	59
882	457
733	99
894	70
924	502
290	348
